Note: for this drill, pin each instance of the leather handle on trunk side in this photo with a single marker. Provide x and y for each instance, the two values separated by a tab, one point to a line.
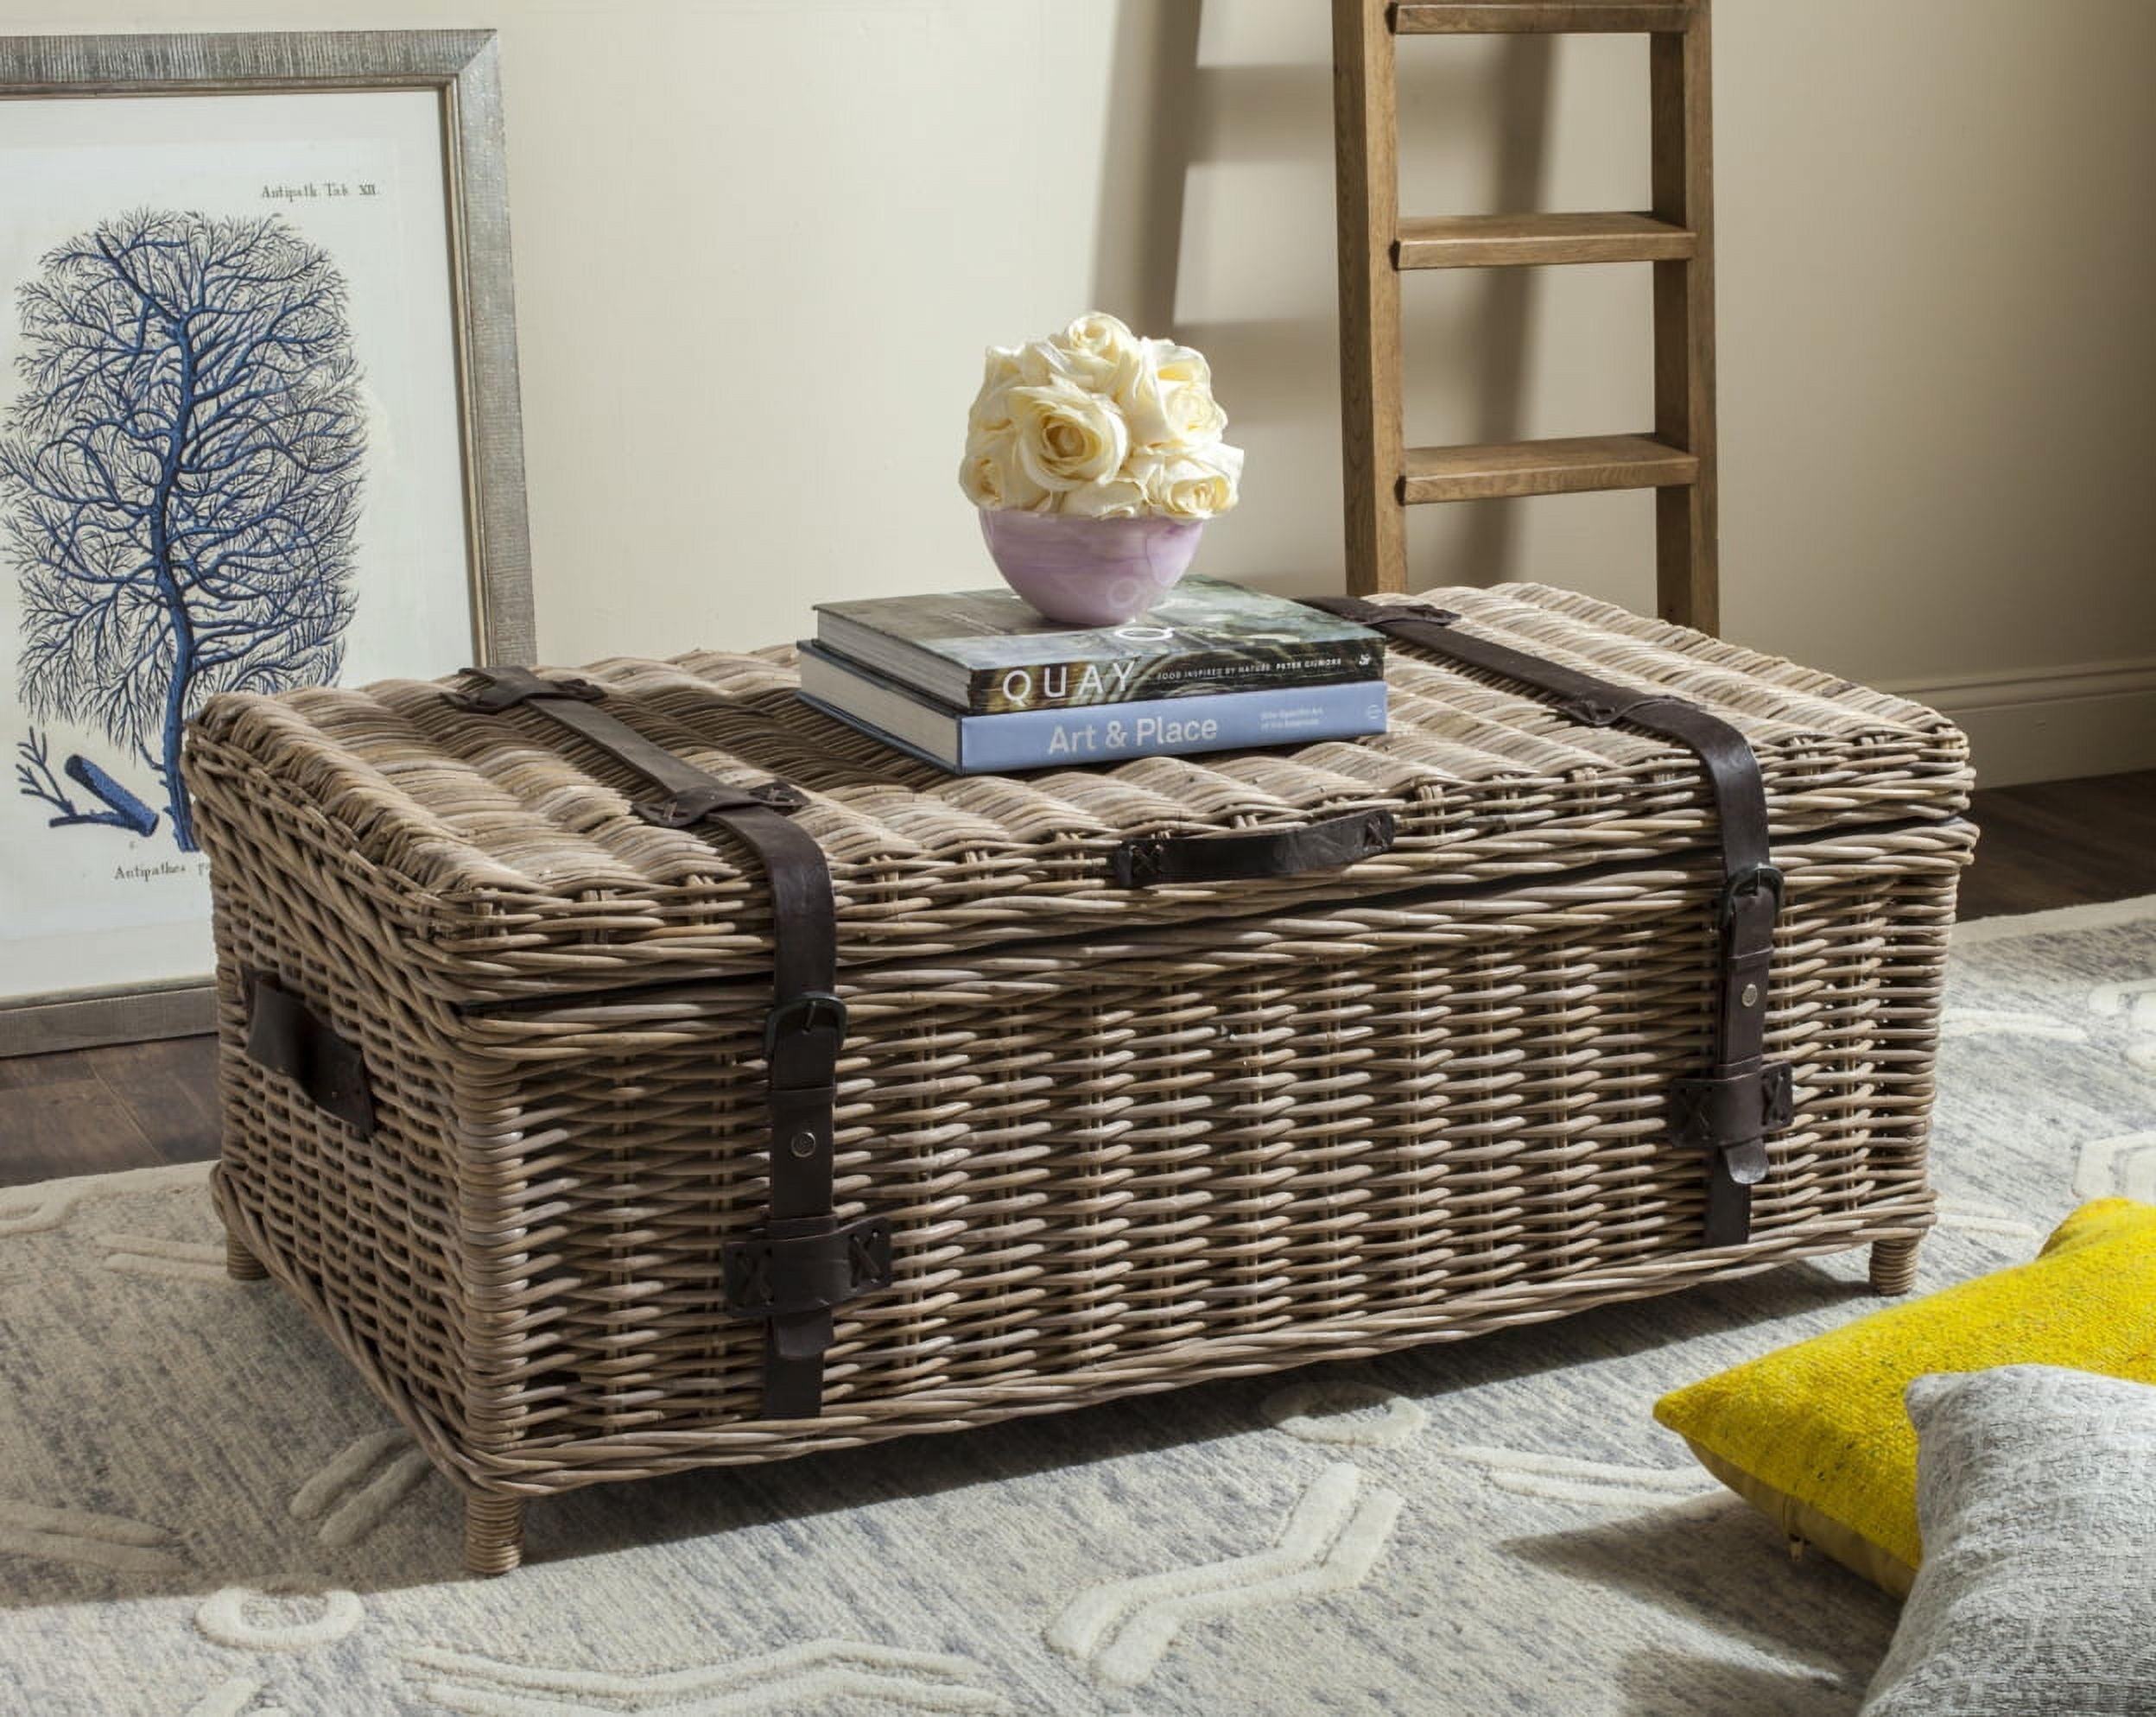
1253	854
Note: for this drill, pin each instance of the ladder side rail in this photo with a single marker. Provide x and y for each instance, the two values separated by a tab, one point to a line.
1687	583
1366	153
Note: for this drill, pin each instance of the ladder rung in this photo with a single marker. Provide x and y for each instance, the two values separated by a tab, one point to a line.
1558	468
1505	241
1498	17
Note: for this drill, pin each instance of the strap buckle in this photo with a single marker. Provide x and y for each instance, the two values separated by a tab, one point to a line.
1734	1106
1749	884
1590	710
780	795
808	1012
794	1269
692	806
501	688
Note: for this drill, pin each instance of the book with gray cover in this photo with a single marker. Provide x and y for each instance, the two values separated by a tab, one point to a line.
984	652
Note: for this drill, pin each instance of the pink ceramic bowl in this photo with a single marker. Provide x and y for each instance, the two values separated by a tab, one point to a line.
1090	572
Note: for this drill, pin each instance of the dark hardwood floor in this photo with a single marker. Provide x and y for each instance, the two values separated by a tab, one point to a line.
133	1105
124	1105
2061	843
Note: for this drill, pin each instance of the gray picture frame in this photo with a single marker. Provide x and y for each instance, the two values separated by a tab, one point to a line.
463	70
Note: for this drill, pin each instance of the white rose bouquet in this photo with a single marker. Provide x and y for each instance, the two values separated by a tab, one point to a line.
1095	422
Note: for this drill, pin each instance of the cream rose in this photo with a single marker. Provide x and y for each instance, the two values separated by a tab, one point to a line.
1169	402
1099	352
991	408
991	476
1192	485
1120	497
1066	436
1042	362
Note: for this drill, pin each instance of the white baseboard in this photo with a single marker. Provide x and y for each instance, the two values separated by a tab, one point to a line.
2054	723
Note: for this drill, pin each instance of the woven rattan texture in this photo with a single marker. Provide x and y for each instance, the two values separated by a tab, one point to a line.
1120	1164
505	853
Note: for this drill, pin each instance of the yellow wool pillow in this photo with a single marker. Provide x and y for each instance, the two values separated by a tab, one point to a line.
1815	1435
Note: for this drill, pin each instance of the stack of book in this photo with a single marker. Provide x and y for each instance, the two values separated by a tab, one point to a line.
980	683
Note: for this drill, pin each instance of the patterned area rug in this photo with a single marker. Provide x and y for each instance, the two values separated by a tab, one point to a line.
203	1515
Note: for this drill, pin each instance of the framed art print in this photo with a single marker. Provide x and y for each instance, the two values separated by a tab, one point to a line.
258	430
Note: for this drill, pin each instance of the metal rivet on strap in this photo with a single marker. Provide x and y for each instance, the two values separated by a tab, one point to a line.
802	1143
1751	995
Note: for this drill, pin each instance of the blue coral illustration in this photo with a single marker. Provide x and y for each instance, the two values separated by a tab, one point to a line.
181	474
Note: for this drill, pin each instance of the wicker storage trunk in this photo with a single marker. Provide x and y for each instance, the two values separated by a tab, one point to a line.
1116	1079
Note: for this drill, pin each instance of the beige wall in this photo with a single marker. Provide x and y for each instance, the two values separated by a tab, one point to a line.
760	243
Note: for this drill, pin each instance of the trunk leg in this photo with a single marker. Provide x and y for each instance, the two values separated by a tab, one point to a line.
1894	1265
241	1264
494	1533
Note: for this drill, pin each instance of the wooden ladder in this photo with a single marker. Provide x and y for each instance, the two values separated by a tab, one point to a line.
1677	461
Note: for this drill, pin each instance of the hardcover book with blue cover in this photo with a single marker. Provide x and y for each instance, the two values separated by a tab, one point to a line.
1064	736
984	652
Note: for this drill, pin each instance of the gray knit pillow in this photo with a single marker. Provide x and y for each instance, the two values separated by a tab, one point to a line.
2035	1491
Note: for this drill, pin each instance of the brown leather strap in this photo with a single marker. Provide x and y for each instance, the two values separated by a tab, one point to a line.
1251	854
1742	1100
803	1263
288	1037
